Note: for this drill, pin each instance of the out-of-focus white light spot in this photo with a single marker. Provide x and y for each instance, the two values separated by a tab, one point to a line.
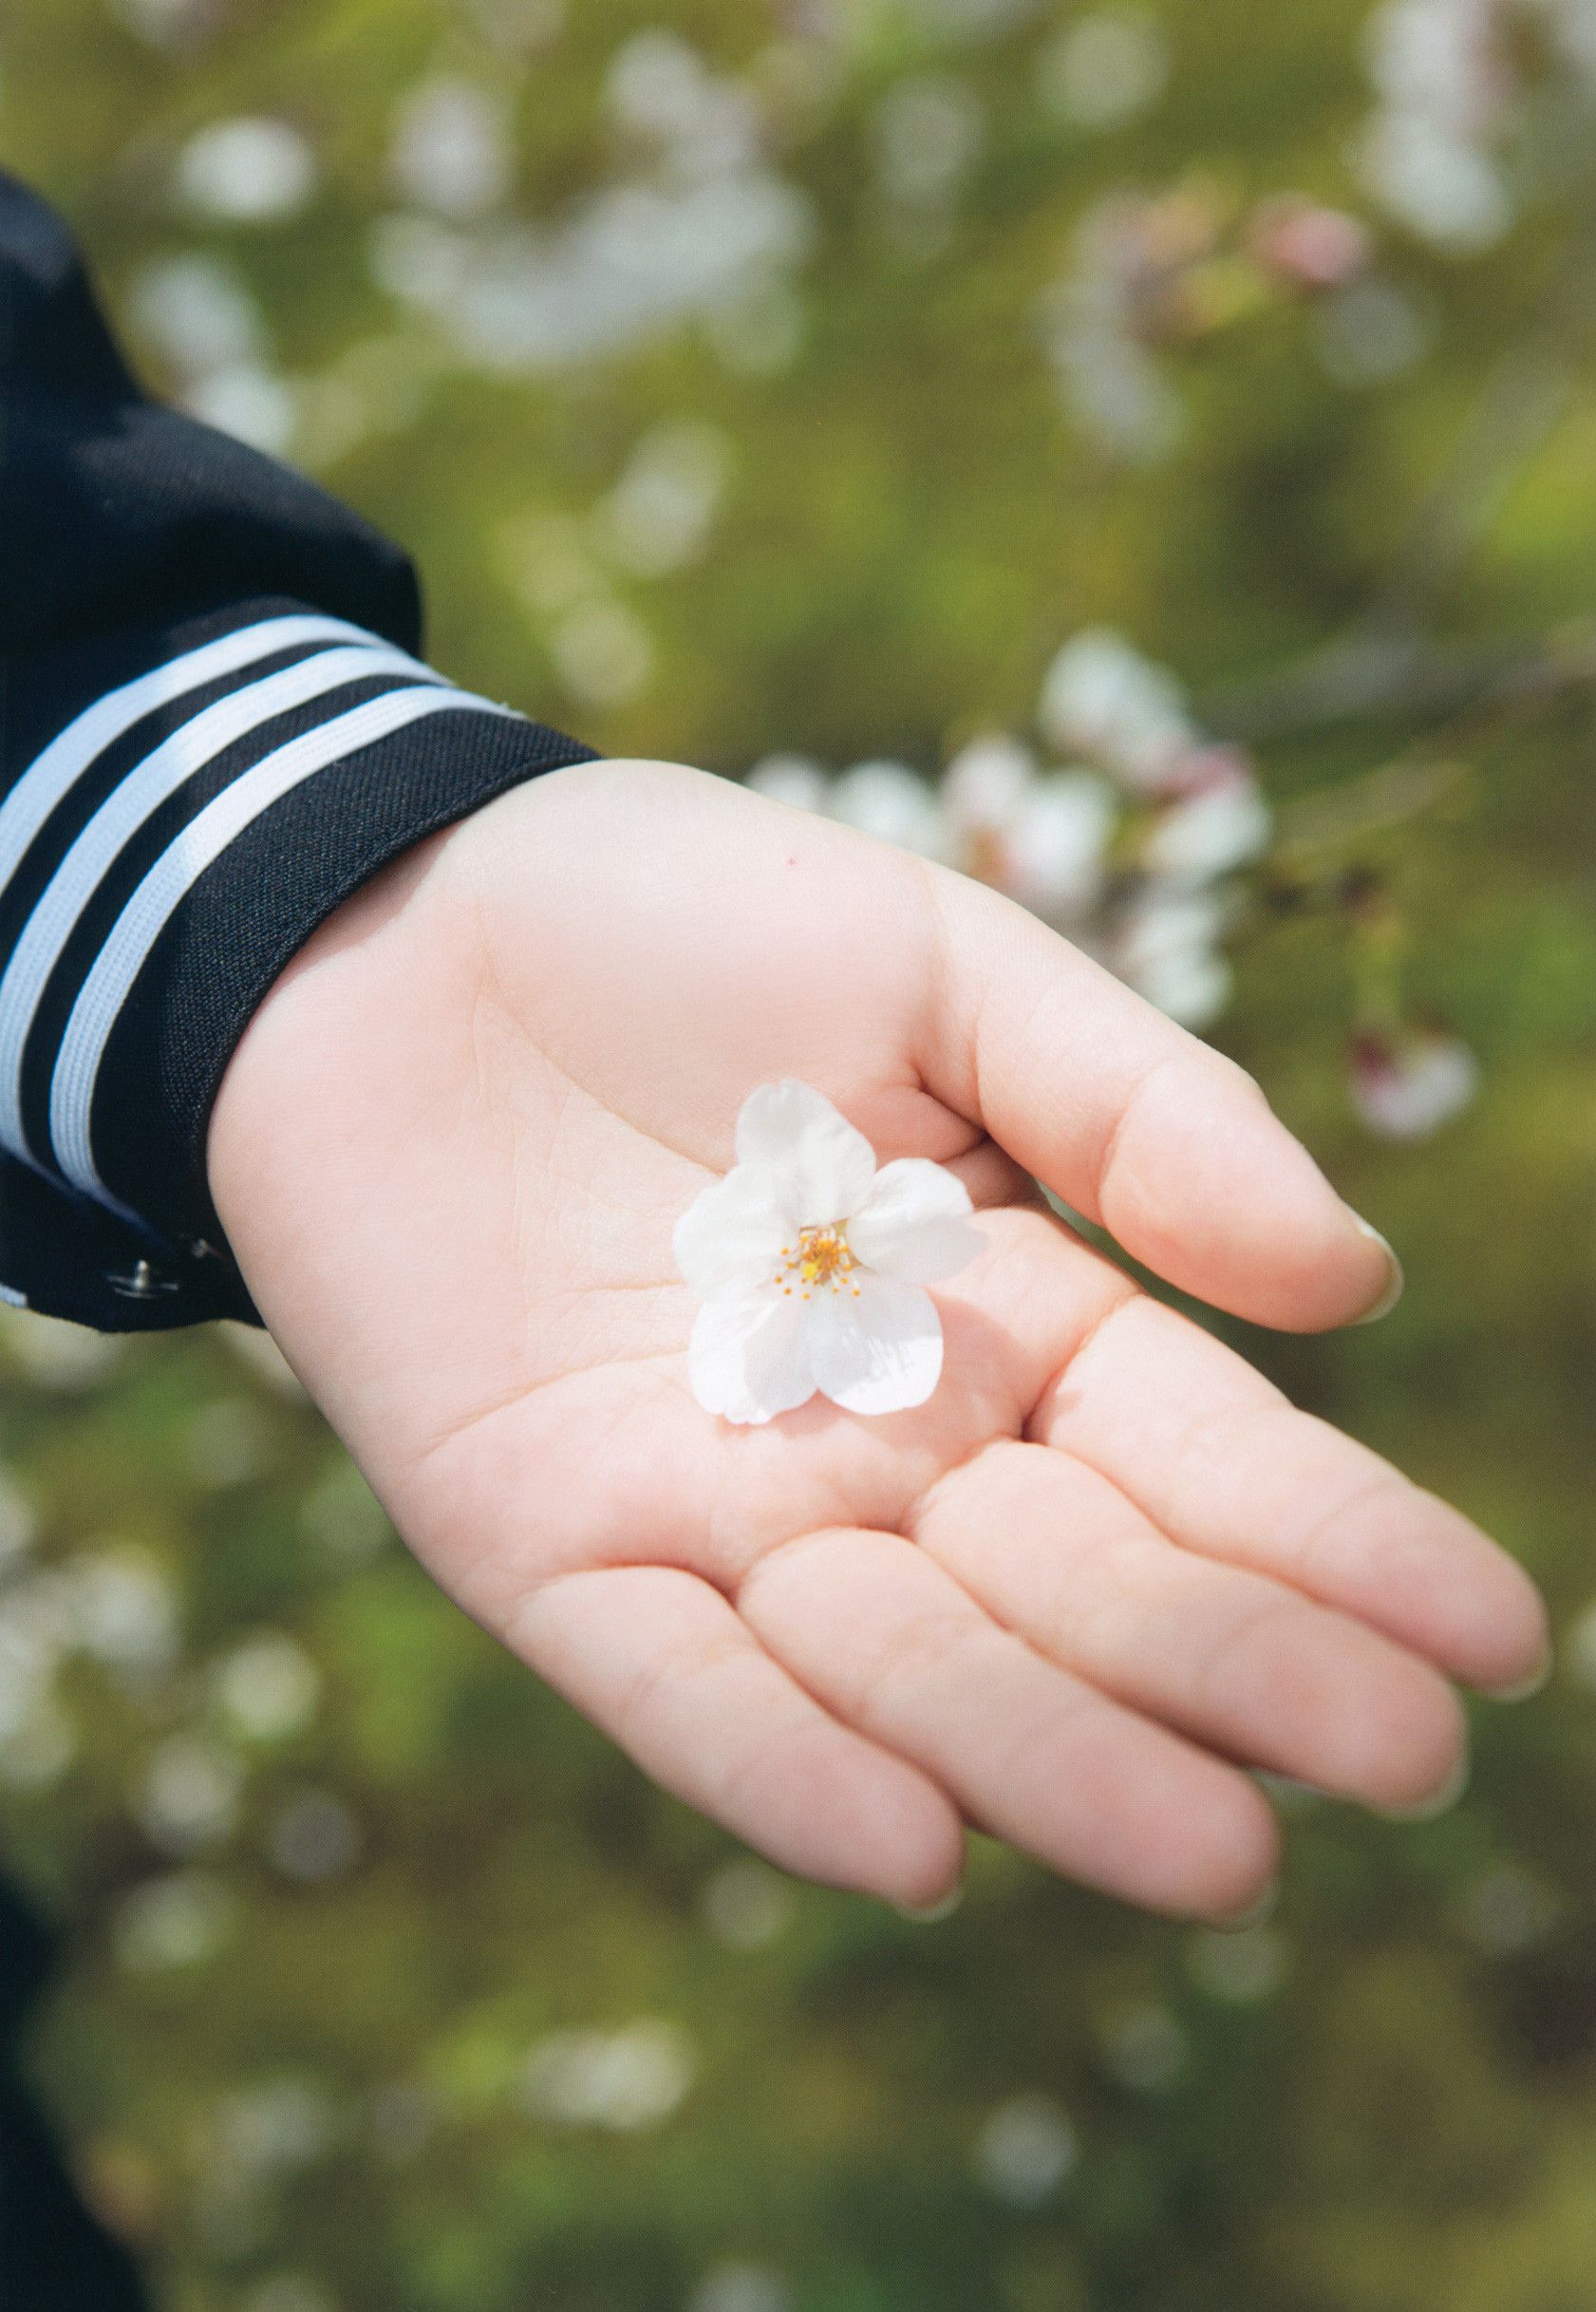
174	1922
273	2128
123	1611
889	801
190	1795
451	149
1105	68
623	2080
747	1905
1026	2149
1439	186
18	1522
927	136
55	1355
1243	1968
659	516
254	171
197	315
604	652
797	779
741	2287
268	1688
289	2292
250	404
228	1441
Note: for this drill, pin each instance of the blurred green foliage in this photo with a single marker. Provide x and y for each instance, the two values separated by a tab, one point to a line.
389	1986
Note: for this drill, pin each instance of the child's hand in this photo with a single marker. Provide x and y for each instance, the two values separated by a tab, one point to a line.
1102	1571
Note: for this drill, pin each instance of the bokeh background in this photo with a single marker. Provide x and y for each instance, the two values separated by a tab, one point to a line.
1147	455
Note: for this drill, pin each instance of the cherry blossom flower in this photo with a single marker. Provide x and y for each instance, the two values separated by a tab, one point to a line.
812	1266
1405	1088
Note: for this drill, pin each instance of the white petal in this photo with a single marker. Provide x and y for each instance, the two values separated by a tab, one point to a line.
876	1351
730	1240
914	1223
793	1129
749	1360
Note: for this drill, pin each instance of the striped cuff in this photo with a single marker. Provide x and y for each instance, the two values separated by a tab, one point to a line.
165	850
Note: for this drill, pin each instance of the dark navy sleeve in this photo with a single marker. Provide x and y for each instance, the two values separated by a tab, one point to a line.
214	726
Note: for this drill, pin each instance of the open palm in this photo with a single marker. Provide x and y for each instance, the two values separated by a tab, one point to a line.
1072	1598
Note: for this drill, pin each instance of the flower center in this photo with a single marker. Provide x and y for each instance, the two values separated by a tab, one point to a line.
821	1256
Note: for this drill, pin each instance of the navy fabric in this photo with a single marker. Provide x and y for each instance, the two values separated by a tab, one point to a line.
130	539
133	537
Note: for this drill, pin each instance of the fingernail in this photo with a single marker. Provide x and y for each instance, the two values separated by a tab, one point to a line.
1394	1283
1426	1810
928	1914
1235	1922
1539	1678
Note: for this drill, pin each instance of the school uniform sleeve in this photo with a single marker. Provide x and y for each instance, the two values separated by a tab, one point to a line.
215	724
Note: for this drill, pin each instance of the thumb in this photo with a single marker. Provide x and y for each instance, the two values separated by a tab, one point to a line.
1170	1146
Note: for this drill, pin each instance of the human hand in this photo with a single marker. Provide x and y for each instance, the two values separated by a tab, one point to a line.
1071	1599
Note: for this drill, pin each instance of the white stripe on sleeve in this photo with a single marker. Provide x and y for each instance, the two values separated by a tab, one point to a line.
52	775
180	865
146	787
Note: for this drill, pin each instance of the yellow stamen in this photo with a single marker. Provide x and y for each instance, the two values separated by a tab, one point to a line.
822	1256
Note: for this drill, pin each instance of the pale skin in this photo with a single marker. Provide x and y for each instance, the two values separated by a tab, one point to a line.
1074	1599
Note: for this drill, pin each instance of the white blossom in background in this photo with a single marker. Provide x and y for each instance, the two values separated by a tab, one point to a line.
1166	943
1026	2151
1101	698
1216	822
1042	836
1407	1085
249	171
812	1266
1452	85
1133	848
1095	323
696	225
627	2079
452	150
891	802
